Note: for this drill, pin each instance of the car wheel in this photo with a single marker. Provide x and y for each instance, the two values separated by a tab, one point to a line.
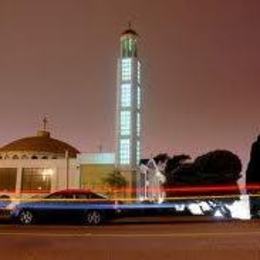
26	217
94	217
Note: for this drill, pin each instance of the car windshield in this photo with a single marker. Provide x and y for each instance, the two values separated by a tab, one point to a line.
89	195
76	195
60	196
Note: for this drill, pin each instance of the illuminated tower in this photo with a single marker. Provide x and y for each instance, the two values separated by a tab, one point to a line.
128	102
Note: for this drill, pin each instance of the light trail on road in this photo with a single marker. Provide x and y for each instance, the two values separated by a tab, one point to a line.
155	235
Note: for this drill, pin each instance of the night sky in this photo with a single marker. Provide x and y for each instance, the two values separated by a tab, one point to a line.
200	72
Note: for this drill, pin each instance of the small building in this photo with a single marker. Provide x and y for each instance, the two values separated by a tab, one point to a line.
38	165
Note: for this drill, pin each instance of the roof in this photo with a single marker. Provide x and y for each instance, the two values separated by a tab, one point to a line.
129	31
40	143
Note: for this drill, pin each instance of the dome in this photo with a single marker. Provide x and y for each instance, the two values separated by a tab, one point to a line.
42	143
130	31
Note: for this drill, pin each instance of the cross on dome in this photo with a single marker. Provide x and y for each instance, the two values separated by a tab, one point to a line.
45	123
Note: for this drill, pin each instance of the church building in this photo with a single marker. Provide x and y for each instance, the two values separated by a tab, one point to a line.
41	164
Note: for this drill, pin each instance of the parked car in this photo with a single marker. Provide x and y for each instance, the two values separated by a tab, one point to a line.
66	205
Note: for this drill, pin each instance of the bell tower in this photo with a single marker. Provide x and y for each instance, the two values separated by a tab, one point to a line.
129	94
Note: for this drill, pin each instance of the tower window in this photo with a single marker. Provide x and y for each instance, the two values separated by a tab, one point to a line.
124	151
138	124
126	69
129	48
138	97
138	151
126	95
139	72
125	122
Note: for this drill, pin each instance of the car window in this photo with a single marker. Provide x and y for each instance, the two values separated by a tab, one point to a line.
82	196
60	196
69	196
89	195
55	196
95	196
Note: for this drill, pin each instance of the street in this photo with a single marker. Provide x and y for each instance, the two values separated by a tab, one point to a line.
182	238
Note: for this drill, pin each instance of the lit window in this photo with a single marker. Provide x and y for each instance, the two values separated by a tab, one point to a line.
138	153
129	48
138	97
8	179
126	69
139	72
125	122
138	124
124	151
126	95
36	180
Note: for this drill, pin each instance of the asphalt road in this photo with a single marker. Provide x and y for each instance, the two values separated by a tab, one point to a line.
179	239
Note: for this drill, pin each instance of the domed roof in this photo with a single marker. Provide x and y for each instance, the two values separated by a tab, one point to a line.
40	143
129	31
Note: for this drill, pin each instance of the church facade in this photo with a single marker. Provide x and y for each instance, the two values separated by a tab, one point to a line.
40	164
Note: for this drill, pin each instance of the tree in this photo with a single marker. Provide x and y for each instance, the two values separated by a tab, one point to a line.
216	167
219	168
253	176
172	164
115	180
161	158
253	168
176	161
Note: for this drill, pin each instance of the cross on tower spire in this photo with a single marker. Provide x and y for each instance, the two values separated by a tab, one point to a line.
45	123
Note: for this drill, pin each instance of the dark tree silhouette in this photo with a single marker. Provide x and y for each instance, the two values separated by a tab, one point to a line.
253	177
253	168
161	158
217	167
172	164
176	161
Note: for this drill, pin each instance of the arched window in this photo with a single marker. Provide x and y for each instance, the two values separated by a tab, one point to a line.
34	157
45	157
24	156
15	157
54	157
